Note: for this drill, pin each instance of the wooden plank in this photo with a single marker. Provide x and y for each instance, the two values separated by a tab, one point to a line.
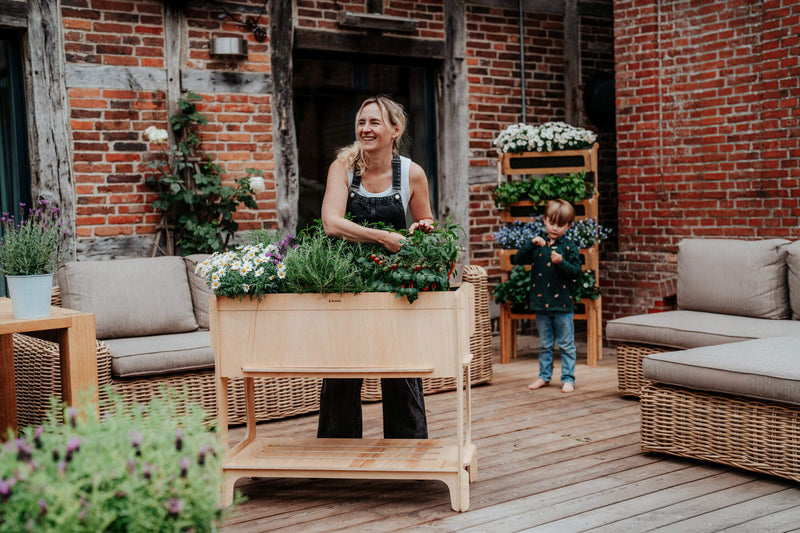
48	114
116	77
364	43
13	14
218	81
771	520
284	140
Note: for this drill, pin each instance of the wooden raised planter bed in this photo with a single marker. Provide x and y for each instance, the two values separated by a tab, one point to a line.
347	335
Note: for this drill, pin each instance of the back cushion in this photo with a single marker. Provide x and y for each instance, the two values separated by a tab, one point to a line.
201	292
793	264
734	277
130	297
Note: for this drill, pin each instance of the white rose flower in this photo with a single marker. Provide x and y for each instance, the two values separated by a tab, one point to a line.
257	184
156	135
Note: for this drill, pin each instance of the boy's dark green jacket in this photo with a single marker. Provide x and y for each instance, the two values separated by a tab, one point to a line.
551	284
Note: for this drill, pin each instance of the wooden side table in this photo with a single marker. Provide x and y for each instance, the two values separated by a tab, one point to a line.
75	333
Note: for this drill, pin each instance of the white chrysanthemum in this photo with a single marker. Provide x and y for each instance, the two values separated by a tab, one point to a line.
156	135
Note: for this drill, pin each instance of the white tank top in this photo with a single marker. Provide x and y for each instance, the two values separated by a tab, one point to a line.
405	187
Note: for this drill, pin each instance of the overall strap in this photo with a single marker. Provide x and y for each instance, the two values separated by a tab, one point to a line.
396	173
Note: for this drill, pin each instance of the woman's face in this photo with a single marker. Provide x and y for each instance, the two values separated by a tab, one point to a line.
373	130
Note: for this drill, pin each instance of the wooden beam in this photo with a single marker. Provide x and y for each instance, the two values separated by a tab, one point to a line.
319	40
284	139
572	61
116	77
13	14
376	21
223	81
174	22
537	6
453	121
49	134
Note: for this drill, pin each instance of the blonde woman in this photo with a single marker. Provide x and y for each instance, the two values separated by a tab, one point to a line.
370	182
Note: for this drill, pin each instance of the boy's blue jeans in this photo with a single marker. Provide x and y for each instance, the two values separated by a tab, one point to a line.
556	328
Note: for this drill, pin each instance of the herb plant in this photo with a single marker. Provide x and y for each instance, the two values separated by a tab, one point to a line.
198	207
36	244
139	469
573	188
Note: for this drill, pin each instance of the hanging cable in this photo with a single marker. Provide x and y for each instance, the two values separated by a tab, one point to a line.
522	56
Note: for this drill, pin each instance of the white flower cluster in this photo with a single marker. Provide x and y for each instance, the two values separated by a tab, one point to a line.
156	135
548	137
248	269
257	184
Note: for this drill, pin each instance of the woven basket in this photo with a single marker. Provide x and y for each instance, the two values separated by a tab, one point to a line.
752	434
480	344
38	375
629	366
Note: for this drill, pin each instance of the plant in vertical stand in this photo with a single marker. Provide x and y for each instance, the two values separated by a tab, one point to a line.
36	244
197	206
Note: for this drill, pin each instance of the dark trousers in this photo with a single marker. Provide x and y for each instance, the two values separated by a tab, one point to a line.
403	409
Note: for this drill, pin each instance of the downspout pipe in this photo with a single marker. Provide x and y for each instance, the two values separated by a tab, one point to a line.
522	56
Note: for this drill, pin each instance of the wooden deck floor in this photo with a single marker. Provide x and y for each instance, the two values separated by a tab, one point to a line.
546	462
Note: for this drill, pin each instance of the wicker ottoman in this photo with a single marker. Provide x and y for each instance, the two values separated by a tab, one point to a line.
736	404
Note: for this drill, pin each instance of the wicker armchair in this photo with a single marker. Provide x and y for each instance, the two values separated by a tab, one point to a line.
38	375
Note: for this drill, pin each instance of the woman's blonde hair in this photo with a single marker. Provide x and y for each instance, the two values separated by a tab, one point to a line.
353	155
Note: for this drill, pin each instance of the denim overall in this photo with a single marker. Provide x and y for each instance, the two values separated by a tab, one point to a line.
403	401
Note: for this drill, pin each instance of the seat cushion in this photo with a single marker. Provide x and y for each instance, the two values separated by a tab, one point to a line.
764	369
201	292
690	329
130	297
793	275
160	354
734	277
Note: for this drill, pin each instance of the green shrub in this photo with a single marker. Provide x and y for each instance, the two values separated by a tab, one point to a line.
573	188
136	470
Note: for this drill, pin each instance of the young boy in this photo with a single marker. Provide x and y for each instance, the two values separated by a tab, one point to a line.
555	264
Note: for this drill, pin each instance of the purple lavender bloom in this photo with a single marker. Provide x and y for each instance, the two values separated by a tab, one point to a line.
184	466
130	466
71	414
179	439
73	445
37	437
175	506
136	438
24	451
5	488
42	506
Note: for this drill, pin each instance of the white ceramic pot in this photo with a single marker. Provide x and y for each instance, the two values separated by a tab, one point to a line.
30	295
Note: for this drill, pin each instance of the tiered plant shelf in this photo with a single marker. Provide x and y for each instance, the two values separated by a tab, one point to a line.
560	162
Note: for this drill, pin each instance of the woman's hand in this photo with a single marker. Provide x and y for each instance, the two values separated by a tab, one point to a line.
392	241
425	224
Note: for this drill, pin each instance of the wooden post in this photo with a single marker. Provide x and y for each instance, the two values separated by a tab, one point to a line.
284	140
454	121
48	114
572	61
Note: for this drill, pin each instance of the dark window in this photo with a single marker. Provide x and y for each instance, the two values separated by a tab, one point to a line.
15	179
327	94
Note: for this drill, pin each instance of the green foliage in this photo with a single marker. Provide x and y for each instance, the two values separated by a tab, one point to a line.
324	264
191	194
573	188
517	288
424	263
136	470
37	244
321	264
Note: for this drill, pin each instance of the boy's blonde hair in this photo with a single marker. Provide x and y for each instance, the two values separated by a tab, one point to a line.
559	212
393	113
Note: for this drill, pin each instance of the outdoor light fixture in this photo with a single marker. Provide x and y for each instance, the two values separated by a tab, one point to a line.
228	47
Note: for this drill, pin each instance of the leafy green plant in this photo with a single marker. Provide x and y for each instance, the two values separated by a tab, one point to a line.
573	188
517	288
424	263
138	469
197	205
36	244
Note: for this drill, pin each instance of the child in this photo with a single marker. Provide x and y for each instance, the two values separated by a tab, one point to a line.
556	263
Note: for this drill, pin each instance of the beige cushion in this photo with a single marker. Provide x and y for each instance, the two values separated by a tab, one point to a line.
765	369
130	297
689	329
734	277
160	354
793	274
201	292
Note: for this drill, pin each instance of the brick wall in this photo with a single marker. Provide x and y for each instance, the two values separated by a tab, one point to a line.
109	151
708	125
493	70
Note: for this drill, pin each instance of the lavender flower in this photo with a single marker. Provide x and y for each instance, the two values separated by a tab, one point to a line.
174	506
184	462
179	439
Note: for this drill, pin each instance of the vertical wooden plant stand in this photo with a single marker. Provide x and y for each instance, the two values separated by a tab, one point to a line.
311	335
561	162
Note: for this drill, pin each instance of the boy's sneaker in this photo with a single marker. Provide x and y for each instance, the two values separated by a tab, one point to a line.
538	384
568	387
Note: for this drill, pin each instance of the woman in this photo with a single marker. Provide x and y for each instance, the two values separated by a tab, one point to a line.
370	182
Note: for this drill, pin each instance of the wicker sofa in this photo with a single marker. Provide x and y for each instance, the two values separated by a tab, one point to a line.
719	378
151	318
727	291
